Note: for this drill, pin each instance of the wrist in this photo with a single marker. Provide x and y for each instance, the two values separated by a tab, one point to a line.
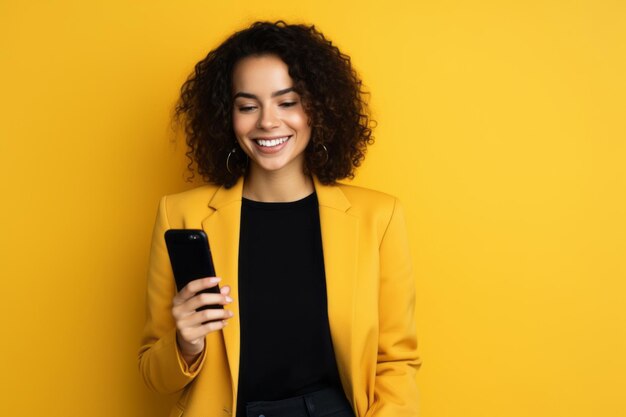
187	349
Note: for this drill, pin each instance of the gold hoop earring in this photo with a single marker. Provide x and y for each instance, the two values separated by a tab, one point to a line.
325	152
232	152
228	160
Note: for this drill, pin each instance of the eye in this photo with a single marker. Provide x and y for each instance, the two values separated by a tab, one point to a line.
245	109
288	104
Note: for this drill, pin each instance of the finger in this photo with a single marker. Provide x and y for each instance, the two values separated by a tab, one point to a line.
200	300
214	325
200	317
225	290
193	287
205	299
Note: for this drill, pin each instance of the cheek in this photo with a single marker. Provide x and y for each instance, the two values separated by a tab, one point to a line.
241	125
306	130
301	122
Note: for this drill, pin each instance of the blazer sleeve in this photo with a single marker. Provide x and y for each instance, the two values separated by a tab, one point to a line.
160	361
395	388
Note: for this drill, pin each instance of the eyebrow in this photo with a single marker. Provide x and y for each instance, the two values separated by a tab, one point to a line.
274	94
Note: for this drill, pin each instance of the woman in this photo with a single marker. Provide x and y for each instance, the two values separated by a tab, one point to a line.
315	276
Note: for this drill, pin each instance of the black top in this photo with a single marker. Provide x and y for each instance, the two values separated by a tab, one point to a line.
286	348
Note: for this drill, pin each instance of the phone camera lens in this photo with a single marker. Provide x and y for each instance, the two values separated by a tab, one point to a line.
193	237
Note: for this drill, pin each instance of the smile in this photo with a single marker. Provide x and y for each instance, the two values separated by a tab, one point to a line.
271	142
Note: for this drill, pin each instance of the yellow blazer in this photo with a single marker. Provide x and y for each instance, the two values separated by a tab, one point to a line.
370	290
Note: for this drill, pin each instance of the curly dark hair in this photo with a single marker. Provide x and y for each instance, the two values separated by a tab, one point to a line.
331	92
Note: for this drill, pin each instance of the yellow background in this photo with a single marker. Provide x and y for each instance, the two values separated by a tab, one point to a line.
501	127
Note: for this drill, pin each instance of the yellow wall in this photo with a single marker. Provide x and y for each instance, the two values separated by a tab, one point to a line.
501	127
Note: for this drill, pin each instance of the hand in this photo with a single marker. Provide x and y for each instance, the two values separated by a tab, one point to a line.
192	325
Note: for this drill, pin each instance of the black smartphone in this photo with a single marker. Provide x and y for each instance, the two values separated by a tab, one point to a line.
190	257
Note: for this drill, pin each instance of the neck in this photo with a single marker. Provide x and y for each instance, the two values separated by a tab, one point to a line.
277	186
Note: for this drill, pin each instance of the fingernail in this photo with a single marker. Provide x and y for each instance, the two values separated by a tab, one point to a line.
216	279
228	299
224	322
230	313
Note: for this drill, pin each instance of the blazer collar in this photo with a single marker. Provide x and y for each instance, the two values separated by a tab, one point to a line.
327	195
224	196
330	196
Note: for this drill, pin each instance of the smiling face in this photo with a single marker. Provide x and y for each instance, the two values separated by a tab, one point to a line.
268	118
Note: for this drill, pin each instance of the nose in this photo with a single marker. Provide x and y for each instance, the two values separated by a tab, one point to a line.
267	119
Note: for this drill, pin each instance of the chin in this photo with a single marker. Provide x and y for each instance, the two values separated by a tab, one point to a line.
276	165
270	167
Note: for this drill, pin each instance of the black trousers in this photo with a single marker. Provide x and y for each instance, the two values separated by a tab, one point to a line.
327	402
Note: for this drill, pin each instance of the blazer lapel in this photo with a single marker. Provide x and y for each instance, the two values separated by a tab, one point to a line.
339	242
222	229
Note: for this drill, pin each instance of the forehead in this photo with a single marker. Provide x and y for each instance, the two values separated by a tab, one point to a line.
261	75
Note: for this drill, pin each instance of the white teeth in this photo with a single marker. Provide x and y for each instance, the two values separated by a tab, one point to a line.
271	142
